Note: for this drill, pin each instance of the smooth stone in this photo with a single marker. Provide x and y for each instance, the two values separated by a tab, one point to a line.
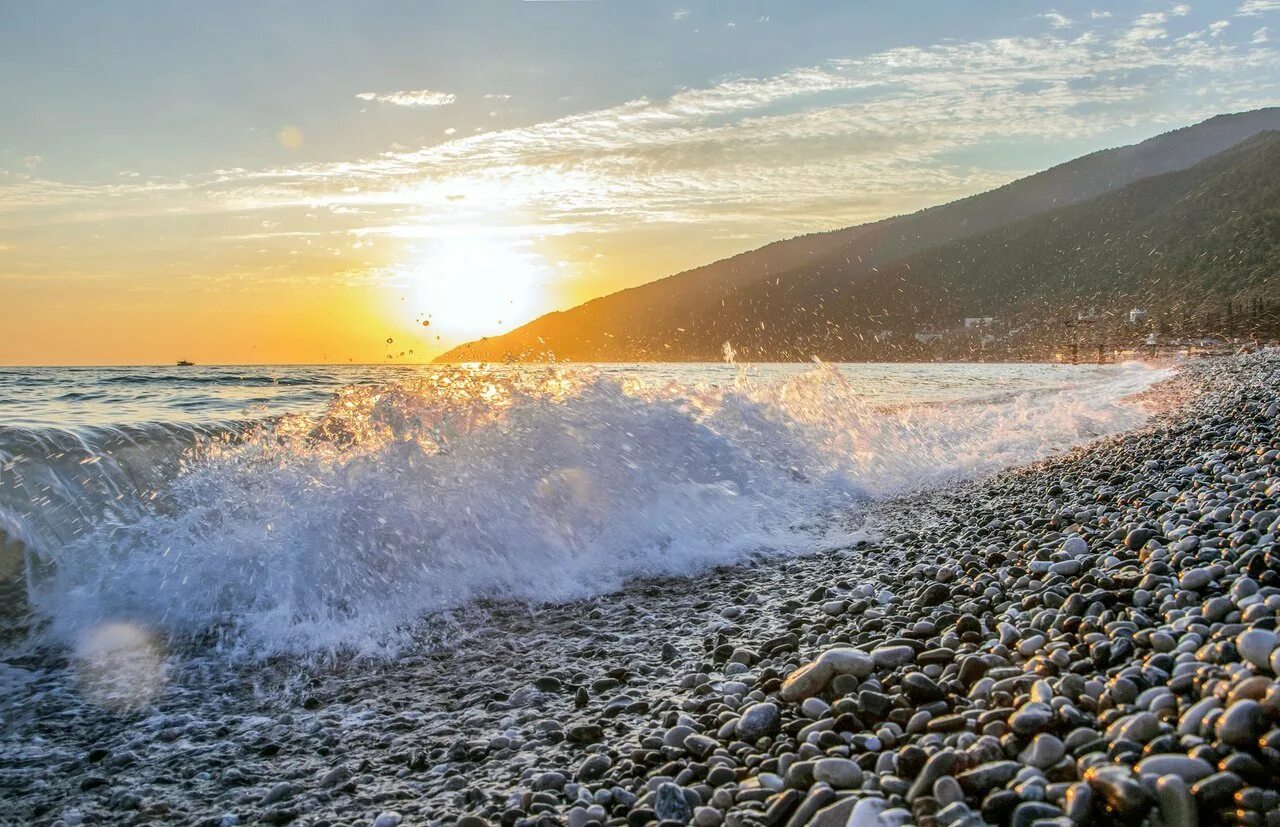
593	767
840	773
1043	752
1029	812
675	736
1075	545
820	796
946	790
868	812
1177	806
1257	646
812	678
1031	718
1241	724
985	777
848	661
921	689
815	708
1078	802
1193	718
891	657
1140	727
700	745
1216	789
1030	645
938	765
758	721
1119	789
277	793
390	818
669	803
1185	767
835	815
706	817
1195	579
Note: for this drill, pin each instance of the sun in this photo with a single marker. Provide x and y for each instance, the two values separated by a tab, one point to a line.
472	284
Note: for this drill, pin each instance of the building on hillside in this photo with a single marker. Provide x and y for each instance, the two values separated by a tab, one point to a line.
978	322
926	337
1090	315
1137	316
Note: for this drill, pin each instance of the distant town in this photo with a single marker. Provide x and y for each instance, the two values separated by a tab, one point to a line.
1092	335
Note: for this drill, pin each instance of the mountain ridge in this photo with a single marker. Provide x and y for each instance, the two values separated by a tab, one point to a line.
650	320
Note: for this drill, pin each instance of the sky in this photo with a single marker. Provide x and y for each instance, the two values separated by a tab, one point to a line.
304	182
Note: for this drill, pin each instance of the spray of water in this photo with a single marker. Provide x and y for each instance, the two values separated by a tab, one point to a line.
343	530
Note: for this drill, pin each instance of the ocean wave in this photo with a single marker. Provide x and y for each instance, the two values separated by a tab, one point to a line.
340	530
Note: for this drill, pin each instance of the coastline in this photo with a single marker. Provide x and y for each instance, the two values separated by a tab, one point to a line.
625	708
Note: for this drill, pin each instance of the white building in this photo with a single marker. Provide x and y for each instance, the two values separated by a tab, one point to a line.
978	321
1137	315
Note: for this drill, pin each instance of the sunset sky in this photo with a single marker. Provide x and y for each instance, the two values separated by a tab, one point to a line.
301	181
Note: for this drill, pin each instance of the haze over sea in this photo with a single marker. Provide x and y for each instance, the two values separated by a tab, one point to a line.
305	509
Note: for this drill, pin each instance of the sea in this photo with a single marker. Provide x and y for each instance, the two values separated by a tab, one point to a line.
300	510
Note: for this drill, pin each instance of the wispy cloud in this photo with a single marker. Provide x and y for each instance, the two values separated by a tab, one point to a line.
1260	36
842	141
680	14
1252	7
418	97
1057	19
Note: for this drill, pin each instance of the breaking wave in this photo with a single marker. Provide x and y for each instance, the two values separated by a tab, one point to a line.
340	530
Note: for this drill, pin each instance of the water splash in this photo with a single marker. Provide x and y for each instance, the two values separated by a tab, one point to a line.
341	530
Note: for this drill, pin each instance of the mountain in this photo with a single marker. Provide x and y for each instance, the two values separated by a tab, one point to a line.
825	294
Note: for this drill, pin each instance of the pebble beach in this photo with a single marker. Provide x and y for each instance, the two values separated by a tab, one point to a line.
1091	639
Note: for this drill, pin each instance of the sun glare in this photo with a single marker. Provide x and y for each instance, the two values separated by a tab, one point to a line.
469	284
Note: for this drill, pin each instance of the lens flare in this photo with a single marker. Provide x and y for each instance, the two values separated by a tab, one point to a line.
290	137
119	667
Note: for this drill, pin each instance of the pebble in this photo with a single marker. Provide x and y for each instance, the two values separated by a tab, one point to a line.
1185	767
758	721
670	803
1177	806
1241	724
1257	646
891	657
1043	752
840	773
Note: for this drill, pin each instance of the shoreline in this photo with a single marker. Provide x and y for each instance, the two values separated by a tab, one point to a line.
933	698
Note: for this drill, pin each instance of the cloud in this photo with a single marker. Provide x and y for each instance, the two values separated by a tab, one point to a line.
1252	7
1180	10
680	14
839	142
1147	27
1218	26
1261	36
419	97
1057	19
1100	15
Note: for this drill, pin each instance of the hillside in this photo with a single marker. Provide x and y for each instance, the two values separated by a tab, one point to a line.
826	292
1186	245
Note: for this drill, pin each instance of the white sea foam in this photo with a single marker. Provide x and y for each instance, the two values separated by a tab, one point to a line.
341	530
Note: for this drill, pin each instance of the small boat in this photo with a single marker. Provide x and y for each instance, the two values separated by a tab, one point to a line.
183	363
